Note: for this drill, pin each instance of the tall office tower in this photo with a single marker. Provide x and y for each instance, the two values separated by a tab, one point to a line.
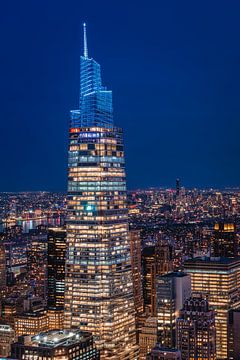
56	267
172	291
196	332
225	242
37	261
159	353
156	260
164	256
2	267
234	334
178	187
217	279
98	282
135	249
149	279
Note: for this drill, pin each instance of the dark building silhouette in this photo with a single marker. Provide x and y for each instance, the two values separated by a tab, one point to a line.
149	279
178	187
234	334
56	267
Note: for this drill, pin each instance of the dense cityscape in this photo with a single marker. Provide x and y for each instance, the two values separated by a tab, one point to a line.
102	273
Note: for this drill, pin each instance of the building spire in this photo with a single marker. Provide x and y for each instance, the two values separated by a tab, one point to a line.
85	53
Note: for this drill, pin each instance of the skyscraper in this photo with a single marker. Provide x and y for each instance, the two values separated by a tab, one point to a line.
56	267
217	279
135	247
149	279
225	242
172	290
98	283
196	333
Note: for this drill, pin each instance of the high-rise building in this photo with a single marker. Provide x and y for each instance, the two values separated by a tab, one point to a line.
164	256
56	267
196	332
135	247
147	337
172	291
37	261
178	187
159	353
56	345
2	267
98	283
234	334
156	260
217	279
149	279
225	242
7	337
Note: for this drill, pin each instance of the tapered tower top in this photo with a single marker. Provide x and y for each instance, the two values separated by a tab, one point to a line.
85	53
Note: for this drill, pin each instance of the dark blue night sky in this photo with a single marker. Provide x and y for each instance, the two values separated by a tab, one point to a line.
173	66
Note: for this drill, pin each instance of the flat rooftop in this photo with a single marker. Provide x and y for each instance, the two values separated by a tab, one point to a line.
56	338
213	260
173	274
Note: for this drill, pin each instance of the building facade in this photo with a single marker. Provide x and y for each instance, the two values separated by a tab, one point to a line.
30	323
196	332
7	337
217	279
98	283
135	247
172	291
225	242
234	334
56	267
147	337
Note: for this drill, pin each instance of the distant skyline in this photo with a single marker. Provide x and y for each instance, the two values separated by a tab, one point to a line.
174	68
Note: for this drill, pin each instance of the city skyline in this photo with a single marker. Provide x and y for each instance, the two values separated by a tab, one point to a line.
186	82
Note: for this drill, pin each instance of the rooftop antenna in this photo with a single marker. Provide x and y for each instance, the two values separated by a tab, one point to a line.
85	53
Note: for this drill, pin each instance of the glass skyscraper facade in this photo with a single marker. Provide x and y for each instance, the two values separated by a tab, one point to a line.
98	283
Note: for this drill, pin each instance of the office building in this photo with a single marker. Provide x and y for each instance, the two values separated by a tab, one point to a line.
164	256
7	337
178	187
30	323
55	319
98	283
234	334
8	311
147	337
225	242
172	291
149	279
53	345
156	260
2	267
135	249
37	261
196	332
217	279
56	267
